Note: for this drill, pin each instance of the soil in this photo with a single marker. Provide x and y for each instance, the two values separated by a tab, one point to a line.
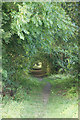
45	97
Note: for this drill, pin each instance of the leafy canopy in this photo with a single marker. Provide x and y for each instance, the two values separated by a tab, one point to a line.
42	25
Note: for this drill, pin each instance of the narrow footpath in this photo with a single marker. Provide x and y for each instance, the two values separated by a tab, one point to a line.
45	92
45	96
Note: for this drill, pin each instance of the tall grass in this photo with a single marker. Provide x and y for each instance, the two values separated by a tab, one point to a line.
28	100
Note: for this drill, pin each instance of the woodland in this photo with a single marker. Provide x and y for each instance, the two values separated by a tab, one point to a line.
40	59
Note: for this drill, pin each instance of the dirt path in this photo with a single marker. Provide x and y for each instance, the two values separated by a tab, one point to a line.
45	97
46	92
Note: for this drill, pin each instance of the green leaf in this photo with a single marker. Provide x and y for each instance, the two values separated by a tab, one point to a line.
21	35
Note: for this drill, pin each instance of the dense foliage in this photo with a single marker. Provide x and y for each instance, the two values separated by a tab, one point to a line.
40	38
45	30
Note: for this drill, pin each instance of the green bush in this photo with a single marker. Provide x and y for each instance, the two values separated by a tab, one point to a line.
20	93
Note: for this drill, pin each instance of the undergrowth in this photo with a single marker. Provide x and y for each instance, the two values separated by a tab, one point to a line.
27	102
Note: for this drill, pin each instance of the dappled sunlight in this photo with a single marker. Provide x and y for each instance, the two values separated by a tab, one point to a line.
38	65
40	59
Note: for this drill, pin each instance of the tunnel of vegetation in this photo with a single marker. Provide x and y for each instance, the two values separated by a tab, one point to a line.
45	64
40	57
38	33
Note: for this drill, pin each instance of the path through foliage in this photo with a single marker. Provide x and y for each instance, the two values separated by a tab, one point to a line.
40	36
52	97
